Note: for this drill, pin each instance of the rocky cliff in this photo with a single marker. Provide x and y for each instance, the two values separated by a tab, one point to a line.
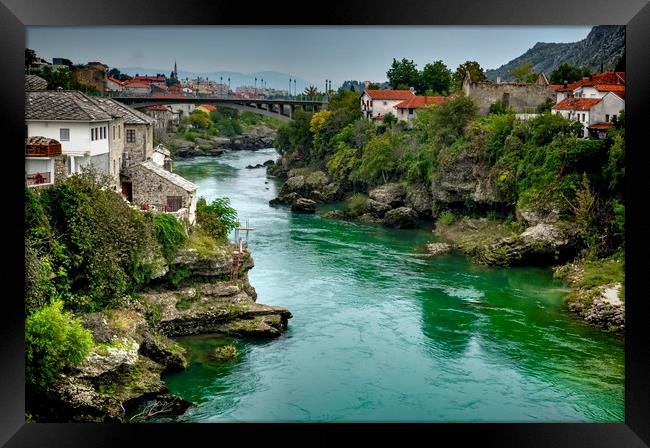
253	138
133	346
604	45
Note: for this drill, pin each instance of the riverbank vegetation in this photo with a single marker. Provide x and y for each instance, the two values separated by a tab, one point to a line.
489	180
88	251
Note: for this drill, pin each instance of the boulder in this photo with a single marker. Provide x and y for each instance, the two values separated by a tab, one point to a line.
336	214
376	208
164	351
391	194
435	249
316	180
420	200
303	205
401	218
268	163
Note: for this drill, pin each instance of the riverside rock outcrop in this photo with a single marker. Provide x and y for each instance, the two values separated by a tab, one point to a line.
315	186
133	346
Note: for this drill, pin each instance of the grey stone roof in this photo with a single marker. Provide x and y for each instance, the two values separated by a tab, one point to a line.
161	149
117	109
68	105
171	177
33	82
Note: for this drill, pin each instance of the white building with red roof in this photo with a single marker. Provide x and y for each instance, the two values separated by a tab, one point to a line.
407	109
114	84
595	114
594	86
375	104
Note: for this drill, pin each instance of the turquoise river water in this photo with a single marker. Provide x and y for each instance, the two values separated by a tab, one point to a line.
380	333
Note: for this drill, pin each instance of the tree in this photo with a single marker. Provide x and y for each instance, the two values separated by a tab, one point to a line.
524	73
568	73
311	91
373	86
30	57
62	78
620	65
200	119
476	74
435	77
390	119
403	73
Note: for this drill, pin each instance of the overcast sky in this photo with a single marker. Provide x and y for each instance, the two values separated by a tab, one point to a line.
314	53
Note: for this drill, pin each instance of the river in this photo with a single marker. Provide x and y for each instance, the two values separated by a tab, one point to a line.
380	333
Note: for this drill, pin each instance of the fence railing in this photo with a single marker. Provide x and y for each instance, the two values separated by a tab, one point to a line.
127	94
38	178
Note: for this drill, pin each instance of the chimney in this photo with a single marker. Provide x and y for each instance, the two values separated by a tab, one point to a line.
566	84
412	90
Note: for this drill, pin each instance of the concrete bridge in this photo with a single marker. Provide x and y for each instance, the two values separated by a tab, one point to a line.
281	108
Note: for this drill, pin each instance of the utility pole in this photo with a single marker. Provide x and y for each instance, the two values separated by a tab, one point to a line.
295	93
289	87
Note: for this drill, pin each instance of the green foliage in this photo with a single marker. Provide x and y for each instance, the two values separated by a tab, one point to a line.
476	74
403	73
295	136
170	234
499	107
217	218
357	202
390	119
379	160
343	163
524	73
545	106
63	78
39	289
446	218
435	78
568	73
54	341
444	123
614	170
200	119
177	274
92	243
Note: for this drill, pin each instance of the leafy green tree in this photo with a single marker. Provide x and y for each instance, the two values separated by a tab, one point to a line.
62	78
444	123
499	107
435	77
476	74
54	341
170	234
311	91
295	136
403	73
217	218
389	119
524	73
200	119
568	73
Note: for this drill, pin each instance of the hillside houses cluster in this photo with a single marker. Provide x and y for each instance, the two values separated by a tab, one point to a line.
595	101
68	131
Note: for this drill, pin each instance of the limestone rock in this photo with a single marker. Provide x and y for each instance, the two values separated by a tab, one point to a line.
420	200
435	249
303	205
391	194
401	218
376	208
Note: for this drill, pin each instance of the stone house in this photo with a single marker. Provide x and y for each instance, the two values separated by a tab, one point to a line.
167	120
158	189
44	164
76	122
594	86
595	114
162	157
136	87
114	85
407	109
375	104
520	96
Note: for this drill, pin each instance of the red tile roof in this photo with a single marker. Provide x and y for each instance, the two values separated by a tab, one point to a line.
420	101
150	78
208	106
159	107
116	81
135	83
610	87
577	103
602	125
390	94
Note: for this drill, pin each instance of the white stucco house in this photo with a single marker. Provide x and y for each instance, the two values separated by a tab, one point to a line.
407	109
594	86
375	104
74	120
595	114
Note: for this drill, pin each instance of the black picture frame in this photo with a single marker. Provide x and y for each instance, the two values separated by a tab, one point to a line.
15	15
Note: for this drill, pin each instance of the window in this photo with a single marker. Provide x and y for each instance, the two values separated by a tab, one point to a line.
606	117
119	131
92	134
410	111
174	203
130	136
64	135
385	103
114	171
113	132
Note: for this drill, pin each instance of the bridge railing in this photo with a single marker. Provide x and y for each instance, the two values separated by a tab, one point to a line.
127	94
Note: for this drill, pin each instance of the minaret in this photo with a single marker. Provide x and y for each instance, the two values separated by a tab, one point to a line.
175	71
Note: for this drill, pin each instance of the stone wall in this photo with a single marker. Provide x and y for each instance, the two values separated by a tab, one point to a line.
521	98
60	170
100	162
142	148
92	77
116	150
153	189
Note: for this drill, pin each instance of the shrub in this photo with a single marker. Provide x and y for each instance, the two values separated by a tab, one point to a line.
54	341
217	218
170	234
357	202
446	218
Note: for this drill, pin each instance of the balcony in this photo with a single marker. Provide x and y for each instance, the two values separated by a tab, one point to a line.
42	147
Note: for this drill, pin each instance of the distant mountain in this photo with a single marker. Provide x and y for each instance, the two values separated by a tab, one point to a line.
604	44
275	80
359	86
